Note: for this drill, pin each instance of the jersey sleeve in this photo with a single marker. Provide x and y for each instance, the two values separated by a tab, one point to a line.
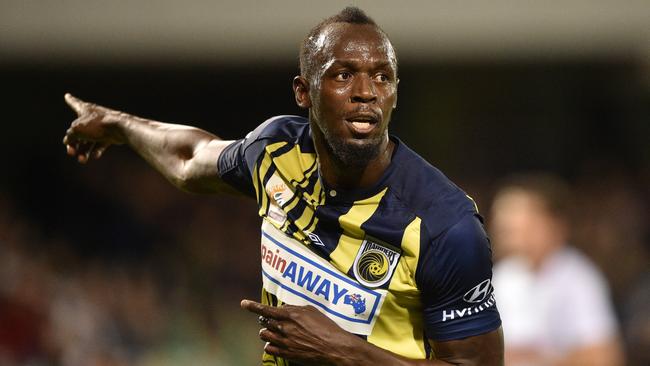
234	166
237	161
454	276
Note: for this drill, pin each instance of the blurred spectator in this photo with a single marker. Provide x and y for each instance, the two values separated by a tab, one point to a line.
554	302
58	307
637	323
613	223
613	229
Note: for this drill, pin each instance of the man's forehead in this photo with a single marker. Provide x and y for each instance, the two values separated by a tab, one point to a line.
343	34
340	39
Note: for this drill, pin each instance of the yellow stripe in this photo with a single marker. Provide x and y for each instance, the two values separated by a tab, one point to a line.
271	148
264	199
256	182
399	326
313	198
261	170
292	163
313	168
292	204
317	195
409	260
305	218
343	256
264	166
312	227
267	359
265	297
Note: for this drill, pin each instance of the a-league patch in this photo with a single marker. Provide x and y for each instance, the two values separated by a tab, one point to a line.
279	194
375	262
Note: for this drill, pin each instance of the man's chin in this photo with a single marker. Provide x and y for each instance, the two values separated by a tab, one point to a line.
355	152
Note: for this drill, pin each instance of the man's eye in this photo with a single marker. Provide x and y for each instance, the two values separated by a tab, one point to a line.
342	76
382	78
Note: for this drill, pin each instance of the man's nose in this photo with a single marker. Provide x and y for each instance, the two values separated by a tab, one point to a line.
363	90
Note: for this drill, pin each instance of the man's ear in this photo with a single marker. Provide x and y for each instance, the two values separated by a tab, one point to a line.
301	92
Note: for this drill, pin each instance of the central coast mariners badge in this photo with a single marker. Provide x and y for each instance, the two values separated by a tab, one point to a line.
375	262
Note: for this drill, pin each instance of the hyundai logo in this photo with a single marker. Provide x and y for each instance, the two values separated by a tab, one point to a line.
479	292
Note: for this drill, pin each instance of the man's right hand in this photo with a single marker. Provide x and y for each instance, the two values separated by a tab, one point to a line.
185	155
94	130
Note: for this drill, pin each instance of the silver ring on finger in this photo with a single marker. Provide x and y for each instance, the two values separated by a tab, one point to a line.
264	321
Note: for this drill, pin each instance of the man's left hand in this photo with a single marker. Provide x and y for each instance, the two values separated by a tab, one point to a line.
301	333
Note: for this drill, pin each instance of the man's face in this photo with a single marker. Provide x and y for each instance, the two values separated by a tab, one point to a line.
522	225
353	92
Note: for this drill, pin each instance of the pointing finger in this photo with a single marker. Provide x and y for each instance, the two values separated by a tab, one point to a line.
264	310
76	104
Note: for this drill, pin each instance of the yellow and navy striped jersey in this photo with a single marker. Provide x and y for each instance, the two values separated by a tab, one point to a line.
398	263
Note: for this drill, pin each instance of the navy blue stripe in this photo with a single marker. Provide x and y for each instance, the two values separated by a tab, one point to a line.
328	228
282	150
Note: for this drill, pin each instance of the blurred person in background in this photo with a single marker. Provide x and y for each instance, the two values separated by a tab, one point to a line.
554	301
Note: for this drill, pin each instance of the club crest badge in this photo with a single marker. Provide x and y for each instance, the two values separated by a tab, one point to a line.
375	262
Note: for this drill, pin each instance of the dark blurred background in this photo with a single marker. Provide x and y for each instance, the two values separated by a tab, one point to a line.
107	264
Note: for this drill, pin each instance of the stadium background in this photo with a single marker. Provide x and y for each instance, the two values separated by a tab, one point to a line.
106	264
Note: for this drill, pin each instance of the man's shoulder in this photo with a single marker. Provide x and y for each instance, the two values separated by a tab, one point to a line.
428	192
287	128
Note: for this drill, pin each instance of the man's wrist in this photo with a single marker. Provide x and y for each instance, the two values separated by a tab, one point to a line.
120	124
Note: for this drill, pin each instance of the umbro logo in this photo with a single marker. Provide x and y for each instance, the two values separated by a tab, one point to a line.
315	239
479	292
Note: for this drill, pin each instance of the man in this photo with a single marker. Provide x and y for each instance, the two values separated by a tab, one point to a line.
555	301
369	254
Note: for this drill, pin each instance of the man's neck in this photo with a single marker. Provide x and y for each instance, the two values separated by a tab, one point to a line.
340	176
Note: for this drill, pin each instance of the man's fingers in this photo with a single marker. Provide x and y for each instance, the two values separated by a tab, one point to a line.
84	150
269	335
99	150
264	310
274	325
76	104
273	349
70	138
70	150
90	150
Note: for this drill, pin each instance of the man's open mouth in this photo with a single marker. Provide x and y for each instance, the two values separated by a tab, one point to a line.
362	124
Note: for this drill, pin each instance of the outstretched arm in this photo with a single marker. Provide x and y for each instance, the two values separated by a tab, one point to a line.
303	333
186	156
